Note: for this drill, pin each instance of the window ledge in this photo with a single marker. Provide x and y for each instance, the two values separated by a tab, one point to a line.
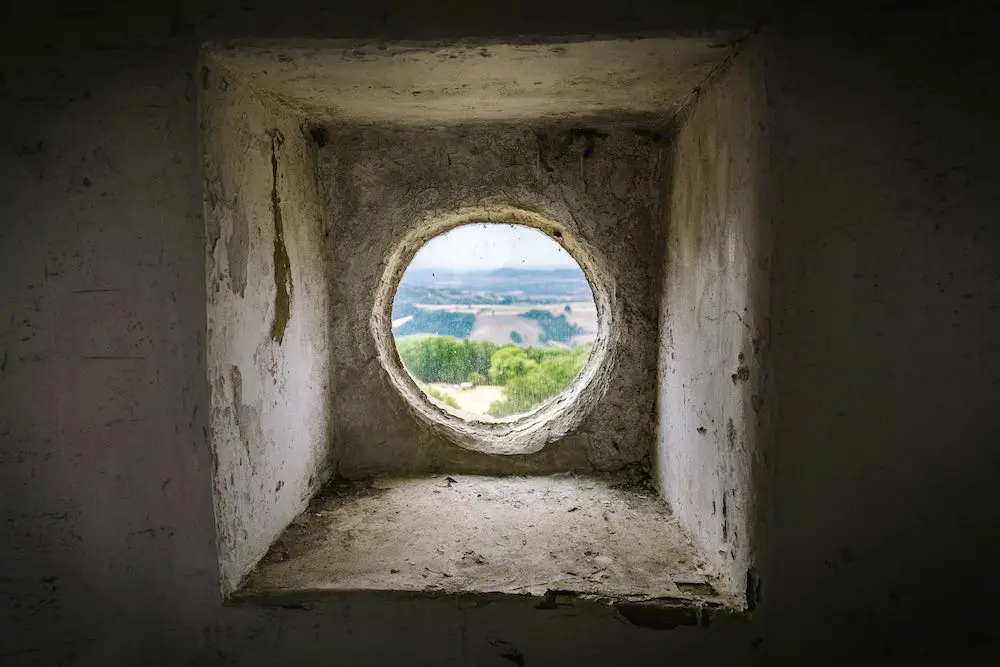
561	539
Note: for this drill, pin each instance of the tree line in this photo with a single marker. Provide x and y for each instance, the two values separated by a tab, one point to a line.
460	325
530	375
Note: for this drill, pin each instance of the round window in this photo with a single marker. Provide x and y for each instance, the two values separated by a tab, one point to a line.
493	320
496	328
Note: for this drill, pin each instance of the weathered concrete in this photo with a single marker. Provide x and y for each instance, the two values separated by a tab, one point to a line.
383	185
715	316
268	358
383	191
881	528
522	434
607	539
479	81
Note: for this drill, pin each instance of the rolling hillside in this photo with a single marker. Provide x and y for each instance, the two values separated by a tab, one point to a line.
540	307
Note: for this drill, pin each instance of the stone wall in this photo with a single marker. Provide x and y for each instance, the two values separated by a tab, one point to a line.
267	353
880	525
714	402
381	184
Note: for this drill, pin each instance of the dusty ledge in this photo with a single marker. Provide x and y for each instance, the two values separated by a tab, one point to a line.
554	541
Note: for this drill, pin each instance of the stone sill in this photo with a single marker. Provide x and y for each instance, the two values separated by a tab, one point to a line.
558	540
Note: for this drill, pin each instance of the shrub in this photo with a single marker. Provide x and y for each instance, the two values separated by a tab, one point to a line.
442	359
538	381
445	398
509	362
530	375
440	322
557	329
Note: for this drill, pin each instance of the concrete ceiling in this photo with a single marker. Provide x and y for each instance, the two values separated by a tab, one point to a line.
440	83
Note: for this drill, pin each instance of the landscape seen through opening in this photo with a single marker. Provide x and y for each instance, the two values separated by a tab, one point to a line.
493	320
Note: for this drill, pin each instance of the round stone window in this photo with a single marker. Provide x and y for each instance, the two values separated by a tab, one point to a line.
495	327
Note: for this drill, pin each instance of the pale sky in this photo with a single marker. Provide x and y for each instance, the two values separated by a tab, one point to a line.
492	246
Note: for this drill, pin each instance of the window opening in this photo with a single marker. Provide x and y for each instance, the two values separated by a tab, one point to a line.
493	320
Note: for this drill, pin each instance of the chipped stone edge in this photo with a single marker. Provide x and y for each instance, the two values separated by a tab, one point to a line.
658	613
529	433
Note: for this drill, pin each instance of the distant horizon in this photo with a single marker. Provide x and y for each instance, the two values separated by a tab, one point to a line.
453	269
484	247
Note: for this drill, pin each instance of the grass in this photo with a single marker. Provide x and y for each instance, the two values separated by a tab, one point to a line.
447	399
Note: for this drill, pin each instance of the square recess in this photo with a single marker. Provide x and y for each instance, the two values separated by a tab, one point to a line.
306	189
562	539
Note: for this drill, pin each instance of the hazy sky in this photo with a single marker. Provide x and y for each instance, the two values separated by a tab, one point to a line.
492	246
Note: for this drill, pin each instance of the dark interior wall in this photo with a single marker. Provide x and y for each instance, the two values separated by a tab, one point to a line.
886	289
881	537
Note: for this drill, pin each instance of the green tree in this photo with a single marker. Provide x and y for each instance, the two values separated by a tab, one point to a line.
443	359
558	329
440	322
540	380
509	362
530	375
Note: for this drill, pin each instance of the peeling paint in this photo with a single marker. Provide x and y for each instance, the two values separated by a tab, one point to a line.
237	249
269	389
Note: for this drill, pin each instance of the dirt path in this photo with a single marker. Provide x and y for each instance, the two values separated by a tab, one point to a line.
476	399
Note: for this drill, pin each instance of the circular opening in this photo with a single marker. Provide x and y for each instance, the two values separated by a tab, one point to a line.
493	320
495	326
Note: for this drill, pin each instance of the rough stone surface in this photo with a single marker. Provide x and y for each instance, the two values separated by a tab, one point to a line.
383	191
268	361
525	434
600	538
382	185
379	83
881	530
714	316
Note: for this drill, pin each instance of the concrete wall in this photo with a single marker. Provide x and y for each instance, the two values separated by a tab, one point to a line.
268	361
379	185
714	317
882	522
886	290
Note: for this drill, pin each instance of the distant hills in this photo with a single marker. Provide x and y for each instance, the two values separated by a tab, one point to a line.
498	286
530	306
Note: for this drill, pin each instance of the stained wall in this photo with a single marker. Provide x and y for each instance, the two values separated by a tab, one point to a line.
714	327
599	183
267	305
880	524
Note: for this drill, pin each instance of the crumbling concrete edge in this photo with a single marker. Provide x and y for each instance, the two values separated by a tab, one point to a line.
528	433
657	613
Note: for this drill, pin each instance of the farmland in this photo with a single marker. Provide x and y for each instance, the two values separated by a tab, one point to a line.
496	343
520	306
497	323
